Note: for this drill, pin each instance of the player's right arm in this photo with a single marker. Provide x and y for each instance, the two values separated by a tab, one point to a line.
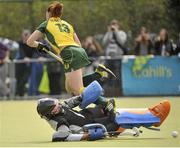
37	35
64	134
32	40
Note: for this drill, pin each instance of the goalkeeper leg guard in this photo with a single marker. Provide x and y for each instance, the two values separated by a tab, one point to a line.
90	94
161	111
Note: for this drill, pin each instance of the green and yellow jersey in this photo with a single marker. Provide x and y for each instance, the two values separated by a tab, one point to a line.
59	33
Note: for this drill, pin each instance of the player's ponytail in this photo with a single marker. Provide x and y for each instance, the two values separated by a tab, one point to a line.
56	9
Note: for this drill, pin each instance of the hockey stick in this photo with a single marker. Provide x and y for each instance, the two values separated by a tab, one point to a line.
154	129
53	55
135	132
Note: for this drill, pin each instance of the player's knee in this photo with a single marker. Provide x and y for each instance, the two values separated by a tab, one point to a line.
76	92
73	91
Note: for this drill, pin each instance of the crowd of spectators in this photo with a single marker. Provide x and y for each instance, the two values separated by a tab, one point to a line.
113	45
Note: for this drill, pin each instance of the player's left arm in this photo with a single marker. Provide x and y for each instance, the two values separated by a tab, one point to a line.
76	39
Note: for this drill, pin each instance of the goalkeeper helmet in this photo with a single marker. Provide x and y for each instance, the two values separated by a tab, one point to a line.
45	106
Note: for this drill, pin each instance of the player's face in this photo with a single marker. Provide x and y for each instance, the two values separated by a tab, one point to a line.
162	34
48	15
56	109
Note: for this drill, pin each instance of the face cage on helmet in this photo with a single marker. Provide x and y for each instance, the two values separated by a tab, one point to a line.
55	101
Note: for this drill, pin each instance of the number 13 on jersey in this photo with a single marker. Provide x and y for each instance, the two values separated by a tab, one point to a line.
63	28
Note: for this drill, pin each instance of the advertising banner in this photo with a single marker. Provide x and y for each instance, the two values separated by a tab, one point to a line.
147	75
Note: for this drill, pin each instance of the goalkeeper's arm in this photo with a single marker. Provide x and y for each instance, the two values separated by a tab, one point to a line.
64	134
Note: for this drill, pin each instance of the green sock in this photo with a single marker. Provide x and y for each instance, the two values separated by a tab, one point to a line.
87	79
101	101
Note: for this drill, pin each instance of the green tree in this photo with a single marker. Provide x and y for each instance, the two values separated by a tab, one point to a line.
89	17
173	10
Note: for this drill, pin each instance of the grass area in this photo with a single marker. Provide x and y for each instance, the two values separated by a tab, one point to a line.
20	125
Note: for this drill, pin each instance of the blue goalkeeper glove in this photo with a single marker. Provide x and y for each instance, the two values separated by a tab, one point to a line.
41	46
96	133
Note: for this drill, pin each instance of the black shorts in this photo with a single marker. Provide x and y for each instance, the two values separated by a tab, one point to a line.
96	115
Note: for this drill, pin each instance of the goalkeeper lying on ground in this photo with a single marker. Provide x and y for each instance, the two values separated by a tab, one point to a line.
68	123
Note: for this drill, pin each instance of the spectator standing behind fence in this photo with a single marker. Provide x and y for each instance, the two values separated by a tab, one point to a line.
178	46
163	46
114	40
92	47
23	70
35	76
55	73
4	91
93	50
143	43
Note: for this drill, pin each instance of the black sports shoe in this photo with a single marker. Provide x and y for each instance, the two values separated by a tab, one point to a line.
110	109
110	105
